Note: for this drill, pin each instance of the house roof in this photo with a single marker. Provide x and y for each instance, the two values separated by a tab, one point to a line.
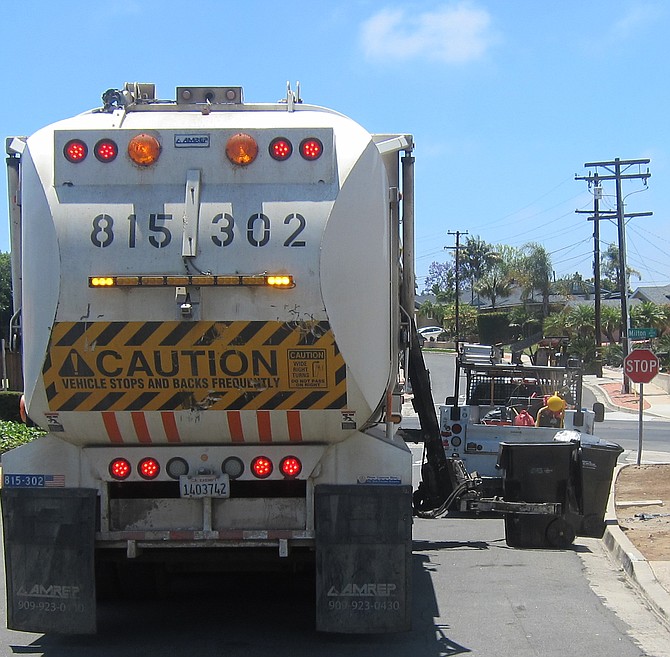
658	294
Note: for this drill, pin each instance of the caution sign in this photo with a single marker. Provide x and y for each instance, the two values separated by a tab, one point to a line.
307	368
158	366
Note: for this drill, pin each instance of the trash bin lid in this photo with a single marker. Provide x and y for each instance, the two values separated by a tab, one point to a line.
568	436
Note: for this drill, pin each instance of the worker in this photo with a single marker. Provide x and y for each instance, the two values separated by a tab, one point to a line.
552	414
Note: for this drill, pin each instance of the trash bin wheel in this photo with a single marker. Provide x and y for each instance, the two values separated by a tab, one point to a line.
560	533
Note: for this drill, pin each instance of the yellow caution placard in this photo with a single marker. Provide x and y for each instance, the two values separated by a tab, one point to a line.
160	366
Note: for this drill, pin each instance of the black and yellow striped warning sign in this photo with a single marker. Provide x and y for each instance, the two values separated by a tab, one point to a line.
160	366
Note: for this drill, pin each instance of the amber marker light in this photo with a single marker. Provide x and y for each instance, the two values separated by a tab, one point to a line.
101	281
242	149
280	281
144	150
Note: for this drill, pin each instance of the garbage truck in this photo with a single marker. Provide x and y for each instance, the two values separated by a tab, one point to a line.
213	304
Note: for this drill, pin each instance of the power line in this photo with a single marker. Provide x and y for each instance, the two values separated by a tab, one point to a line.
616	171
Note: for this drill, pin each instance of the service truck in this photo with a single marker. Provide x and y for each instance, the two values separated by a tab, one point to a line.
517	442
213	301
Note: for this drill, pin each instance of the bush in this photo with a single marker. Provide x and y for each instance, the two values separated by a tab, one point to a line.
613	355
14	434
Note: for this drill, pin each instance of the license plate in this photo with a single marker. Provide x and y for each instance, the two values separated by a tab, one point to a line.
204	486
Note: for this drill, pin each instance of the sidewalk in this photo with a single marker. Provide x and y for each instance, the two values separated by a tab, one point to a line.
608	390
652	578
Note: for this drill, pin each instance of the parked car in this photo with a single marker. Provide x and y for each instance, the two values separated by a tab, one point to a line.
431	333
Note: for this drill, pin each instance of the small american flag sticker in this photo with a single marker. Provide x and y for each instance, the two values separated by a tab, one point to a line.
33	480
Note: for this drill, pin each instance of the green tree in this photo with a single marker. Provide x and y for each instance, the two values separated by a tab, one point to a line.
494	284
440	280
610	322
534	271
571	286
556	325
477	258
434	310
582	320
467	320
648	315
610	270
499	278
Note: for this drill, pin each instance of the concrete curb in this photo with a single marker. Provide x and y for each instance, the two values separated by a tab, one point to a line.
633	563
603	396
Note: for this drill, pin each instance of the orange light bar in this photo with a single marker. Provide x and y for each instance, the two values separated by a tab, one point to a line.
281	281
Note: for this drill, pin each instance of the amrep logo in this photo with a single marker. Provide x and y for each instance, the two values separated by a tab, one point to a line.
372	590
191	141
50	591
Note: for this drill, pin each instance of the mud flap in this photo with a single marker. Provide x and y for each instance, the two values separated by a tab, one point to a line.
49	540
363	558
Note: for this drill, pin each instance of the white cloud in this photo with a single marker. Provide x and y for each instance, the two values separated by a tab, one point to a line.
456	33
635	19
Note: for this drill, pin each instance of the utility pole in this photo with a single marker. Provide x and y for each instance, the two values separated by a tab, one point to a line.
597	195
616	171
457	248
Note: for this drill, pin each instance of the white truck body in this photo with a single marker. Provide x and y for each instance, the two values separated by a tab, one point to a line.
186	361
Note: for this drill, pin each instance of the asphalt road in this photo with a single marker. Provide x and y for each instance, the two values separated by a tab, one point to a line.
472	595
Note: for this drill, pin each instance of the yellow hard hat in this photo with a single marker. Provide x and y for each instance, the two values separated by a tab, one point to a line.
555	403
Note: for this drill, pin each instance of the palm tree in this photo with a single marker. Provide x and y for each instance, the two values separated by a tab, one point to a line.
436	311
582	319
494	284
556	325
535	270
476	259
610	321
648	315
609	269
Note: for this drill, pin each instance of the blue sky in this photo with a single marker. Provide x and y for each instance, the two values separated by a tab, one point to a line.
507	99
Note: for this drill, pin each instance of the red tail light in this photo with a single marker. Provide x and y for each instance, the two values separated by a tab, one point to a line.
149	468
280	149
106	150
290	466
311	148
262	467
75	151
119	469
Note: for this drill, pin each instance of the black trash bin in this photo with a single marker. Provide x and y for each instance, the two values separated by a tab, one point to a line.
537	472
596	459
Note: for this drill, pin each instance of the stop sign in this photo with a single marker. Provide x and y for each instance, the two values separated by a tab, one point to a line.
641	365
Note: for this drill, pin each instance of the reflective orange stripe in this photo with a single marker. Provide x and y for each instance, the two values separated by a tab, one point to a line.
294	426
141	428
170	426
264	426
235	426
112	426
